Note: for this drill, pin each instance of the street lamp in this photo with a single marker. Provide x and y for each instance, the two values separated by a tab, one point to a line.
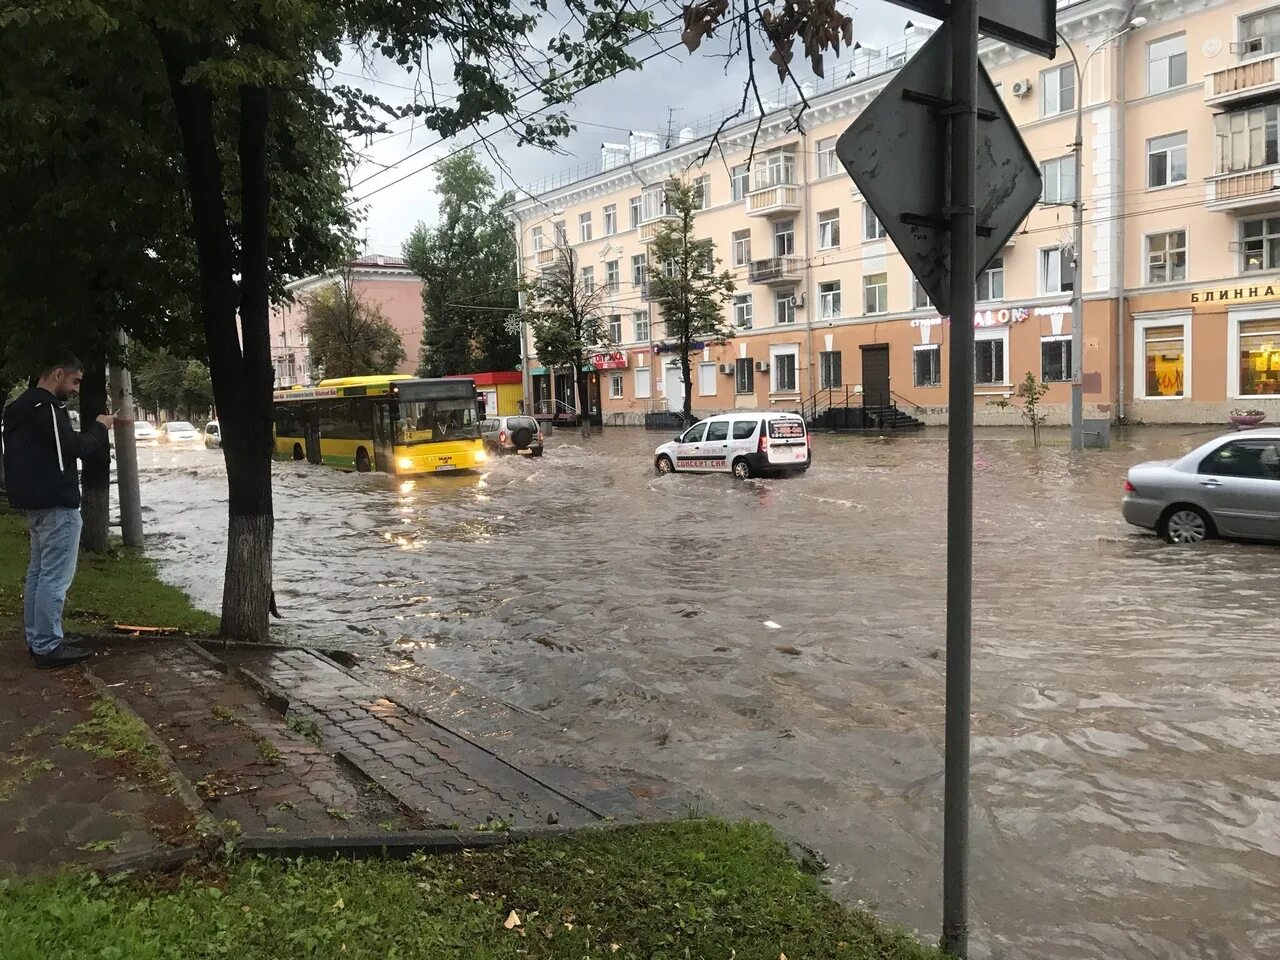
1077	205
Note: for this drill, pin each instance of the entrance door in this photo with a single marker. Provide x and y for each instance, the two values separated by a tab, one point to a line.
875	375
593	402
541	393
383	437
311	435
675	387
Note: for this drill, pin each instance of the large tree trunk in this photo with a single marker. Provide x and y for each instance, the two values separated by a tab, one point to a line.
584	403
239	356
95	473
688	387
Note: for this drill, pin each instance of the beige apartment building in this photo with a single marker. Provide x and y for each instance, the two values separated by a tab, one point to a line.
1181	259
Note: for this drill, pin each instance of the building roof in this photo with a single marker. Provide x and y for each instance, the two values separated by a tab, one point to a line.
379	260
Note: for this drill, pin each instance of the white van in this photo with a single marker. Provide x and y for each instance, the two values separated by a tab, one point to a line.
744	444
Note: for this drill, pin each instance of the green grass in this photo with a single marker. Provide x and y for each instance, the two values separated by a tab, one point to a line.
118	588
695	889
114	734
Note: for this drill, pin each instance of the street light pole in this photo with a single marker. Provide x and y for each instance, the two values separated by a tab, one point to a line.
1077	242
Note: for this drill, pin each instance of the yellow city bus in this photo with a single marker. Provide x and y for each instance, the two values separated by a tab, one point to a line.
395	424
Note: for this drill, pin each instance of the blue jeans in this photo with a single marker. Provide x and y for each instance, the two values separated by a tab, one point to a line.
55	544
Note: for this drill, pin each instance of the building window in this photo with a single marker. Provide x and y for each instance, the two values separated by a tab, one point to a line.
741	248
1167	160
742	311
926	365
1259	358
1167	63
1162	353
1260	34
611	220
1056	270
990	358
784	307
654	203
830	375
612	276
1059	180
777	168
706	379
642	383
828	229
584	228
1055	359
744	380
1247	139
561	234
739	181
1167	257
784	371
829	299
875	293
640	321
828	163
919	299
537	239
615	386
872	228
702	191
640	273
633	212
615	328
991	281
1057	90
784	238
1260	243
588	279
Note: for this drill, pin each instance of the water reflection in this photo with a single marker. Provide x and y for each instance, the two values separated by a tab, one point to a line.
778	644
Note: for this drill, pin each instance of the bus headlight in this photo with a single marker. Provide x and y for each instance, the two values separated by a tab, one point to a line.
481	456
405	463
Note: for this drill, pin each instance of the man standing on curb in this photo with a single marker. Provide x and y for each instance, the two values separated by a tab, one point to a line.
40	454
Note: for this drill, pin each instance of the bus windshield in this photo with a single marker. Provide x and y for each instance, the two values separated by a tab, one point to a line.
432	421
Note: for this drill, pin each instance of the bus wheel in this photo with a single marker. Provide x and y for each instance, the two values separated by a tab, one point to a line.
362	461
297	452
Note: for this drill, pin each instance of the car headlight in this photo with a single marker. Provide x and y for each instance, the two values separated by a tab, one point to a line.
405	463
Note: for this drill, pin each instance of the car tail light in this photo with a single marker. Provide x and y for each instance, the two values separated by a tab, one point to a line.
502	437
539	436
1129	487
764	441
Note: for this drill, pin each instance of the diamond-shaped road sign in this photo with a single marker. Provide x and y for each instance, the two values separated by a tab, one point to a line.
896	152
1029	24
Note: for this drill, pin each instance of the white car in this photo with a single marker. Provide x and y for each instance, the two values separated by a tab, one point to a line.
145	432
212	435
743	444
179	431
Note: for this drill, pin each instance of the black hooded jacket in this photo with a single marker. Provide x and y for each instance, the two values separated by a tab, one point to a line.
41	450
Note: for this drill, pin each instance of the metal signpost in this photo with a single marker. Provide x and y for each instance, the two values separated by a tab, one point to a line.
948	214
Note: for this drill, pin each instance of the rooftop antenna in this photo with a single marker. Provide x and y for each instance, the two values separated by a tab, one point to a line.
671	127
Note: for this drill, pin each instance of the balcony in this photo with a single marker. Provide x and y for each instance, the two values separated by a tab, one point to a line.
649	228
775	270
1253	191
777	200
545	258
1242	82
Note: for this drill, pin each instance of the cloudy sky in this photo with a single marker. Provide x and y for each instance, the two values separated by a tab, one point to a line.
694	86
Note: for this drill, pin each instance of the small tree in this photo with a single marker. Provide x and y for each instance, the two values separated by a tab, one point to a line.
684	283
346	335
1030	391
566	314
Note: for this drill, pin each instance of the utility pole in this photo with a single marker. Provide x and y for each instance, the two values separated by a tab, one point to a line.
121	387
964	222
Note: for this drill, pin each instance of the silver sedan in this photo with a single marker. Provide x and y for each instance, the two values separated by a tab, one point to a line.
1228	487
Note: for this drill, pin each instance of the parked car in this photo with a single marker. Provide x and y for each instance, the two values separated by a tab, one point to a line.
145	432
212	435
179	431
1228	487
744	444
512	435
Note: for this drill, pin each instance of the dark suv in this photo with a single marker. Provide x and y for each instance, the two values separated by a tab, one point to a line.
512	435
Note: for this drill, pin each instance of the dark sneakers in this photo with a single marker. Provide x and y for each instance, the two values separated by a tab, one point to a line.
64	656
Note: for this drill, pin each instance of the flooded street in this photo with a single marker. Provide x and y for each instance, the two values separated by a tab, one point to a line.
777	647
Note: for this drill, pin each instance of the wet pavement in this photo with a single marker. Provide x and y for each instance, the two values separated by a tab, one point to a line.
777	645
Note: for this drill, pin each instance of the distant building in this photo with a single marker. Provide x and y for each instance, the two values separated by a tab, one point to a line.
382	280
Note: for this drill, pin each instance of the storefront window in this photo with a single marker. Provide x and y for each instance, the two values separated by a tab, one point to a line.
1165	354
1260	358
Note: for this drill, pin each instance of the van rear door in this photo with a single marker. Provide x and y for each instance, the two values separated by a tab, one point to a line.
788	442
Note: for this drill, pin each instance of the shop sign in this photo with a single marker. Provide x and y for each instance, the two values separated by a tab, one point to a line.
982	318
1258	291
617	360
